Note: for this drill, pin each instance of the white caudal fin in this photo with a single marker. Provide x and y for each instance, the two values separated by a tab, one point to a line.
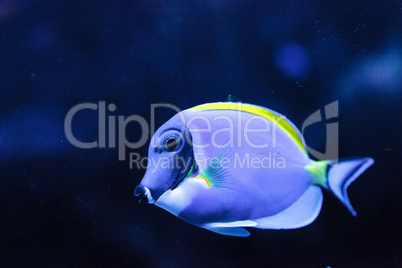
342	174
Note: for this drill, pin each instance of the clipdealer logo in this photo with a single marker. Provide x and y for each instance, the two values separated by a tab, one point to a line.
109	124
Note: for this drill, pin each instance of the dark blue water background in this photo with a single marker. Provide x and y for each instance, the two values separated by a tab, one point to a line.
61	205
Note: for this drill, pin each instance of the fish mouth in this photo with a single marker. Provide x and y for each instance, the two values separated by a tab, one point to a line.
144	194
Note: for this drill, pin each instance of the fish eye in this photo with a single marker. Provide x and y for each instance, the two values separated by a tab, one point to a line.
171	144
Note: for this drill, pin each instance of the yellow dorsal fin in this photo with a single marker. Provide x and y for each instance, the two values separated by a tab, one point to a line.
274	117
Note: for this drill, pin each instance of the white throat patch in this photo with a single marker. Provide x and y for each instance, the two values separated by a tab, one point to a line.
177	200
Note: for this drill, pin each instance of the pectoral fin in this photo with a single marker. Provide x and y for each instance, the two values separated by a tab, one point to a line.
216	172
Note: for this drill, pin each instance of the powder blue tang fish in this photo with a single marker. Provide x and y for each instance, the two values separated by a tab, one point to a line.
224	166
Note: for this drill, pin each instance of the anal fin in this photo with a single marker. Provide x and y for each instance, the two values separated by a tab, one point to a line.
246	223
304	211
230	231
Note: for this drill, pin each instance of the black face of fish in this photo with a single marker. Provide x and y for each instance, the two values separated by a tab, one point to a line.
170	159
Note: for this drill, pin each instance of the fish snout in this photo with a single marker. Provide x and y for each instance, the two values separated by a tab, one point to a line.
144	194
